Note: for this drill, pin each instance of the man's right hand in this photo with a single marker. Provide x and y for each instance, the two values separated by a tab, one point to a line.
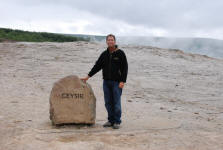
85	79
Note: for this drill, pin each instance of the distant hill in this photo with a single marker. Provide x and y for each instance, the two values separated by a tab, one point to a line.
97	38
204	46
20	35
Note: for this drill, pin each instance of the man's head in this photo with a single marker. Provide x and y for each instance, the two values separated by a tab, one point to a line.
111	40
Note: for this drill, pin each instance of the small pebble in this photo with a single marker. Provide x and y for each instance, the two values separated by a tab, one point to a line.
161	108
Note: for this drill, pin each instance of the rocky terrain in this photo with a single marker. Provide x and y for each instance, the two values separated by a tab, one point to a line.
172	100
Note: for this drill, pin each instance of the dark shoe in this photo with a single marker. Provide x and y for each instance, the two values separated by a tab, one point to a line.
116	126
108	124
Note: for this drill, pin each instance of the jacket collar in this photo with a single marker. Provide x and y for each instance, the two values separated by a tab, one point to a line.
116	46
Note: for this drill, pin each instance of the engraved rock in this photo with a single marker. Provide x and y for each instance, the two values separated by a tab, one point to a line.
72	101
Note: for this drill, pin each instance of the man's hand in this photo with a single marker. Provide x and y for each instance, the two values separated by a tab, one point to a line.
85	79
121	84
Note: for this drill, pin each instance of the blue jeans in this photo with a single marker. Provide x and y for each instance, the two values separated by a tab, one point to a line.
112	97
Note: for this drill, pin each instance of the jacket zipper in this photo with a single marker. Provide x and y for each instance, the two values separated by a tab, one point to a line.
109	75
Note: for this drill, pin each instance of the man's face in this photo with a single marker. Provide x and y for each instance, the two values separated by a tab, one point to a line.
110	41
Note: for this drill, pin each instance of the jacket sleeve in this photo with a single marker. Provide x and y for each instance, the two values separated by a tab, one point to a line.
124	68
97	66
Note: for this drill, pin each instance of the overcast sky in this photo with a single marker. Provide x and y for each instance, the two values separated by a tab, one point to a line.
174	18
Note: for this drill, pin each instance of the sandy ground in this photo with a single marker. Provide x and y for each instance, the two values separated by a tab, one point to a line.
172	100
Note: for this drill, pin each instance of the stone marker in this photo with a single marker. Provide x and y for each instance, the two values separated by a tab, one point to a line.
72	101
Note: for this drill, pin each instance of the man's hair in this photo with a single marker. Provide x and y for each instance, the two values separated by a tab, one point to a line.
112	35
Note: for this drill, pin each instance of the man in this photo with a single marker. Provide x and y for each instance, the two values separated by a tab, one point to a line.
114	65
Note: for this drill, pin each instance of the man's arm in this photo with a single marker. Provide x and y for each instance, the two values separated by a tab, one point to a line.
124	68
97	66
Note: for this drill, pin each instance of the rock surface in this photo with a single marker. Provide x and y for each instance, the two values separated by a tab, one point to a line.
72	101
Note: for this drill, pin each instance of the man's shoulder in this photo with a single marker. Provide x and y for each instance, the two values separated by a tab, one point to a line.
121	51
103	52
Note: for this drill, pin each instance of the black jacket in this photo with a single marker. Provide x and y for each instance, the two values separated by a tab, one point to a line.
114	66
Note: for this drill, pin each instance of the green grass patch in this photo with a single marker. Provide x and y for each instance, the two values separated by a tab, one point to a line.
27	36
